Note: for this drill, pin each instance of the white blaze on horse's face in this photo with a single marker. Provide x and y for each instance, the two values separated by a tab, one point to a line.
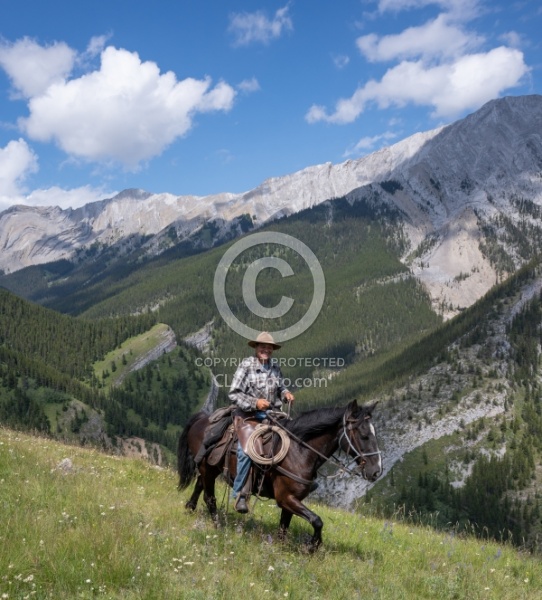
373	432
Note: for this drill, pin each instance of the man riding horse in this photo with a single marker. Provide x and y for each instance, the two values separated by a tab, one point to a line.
257	386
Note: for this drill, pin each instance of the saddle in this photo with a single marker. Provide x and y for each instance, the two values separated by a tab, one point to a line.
223	445
216	433
239	429
227	428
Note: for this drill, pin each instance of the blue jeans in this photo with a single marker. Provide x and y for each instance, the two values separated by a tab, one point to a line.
243	461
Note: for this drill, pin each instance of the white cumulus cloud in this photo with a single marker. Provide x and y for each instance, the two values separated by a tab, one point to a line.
17	161
438	64
127	111
449	88
248	28
248	86
67	198
32	68
435	39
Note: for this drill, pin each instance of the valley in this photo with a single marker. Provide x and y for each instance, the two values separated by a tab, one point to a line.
430	251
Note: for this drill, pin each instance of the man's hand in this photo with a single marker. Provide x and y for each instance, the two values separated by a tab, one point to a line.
289	397
262	404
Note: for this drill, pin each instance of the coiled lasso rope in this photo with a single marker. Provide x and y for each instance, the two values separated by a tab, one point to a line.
260	431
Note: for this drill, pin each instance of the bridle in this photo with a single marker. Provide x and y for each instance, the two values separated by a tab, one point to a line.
349	426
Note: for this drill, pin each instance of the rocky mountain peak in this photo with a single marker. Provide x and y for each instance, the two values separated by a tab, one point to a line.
470	194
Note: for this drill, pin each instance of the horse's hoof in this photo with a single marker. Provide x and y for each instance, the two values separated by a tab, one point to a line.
190	506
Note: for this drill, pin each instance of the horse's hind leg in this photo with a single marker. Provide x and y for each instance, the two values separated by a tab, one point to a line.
198	488
209	492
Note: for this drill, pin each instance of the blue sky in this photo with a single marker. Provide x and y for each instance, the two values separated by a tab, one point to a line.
216	96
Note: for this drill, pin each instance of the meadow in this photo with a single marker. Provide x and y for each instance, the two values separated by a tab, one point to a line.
77	523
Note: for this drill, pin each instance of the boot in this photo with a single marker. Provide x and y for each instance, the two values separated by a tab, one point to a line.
241	504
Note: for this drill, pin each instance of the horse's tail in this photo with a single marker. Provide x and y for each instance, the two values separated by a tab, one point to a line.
186	466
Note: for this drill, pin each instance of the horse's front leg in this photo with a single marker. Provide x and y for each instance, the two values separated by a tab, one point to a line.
285	519
294	506
198	488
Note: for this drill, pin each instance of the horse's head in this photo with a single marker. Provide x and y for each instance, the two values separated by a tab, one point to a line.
358	439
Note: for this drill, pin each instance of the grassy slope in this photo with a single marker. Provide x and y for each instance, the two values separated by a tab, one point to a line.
116	528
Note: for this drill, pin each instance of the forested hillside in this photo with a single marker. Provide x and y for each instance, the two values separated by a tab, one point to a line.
471	392
48	383
372	304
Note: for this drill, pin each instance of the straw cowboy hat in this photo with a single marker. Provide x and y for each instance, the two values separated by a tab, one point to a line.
264	338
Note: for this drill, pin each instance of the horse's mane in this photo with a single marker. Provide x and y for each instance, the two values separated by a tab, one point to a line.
311	423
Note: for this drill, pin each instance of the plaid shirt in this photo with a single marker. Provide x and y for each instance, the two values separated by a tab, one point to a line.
252	381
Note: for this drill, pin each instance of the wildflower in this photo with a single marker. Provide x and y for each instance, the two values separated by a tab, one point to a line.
271	568
526	580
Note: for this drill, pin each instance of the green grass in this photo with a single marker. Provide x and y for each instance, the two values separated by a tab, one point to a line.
116	528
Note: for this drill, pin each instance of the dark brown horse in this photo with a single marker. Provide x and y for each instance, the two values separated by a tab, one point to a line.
315	436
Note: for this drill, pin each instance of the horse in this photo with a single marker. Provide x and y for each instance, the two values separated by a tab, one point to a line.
315	436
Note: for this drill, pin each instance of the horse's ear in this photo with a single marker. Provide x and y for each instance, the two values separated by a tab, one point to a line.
368	410
352	408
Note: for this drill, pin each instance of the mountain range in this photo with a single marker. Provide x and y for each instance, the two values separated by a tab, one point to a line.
431	253
469	195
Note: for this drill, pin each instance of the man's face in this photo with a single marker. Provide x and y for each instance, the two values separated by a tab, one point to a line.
264	352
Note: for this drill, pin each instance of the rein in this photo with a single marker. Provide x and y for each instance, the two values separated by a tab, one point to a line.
326	458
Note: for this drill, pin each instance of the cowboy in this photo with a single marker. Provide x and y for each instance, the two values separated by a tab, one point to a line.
257	386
